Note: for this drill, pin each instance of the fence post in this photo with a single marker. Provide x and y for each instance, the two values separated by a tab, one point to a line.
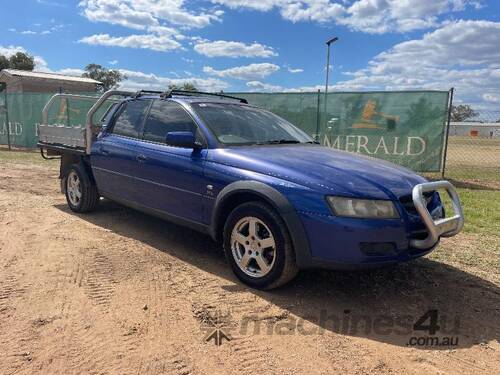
450	105
4	86
318	116
67	113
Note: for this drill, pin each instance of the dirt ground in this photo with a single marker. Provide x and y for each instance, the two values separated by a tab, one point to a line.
116	291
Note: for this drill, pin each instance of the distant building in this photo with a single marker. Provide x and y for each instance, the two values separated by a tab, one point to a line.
475	129
19	81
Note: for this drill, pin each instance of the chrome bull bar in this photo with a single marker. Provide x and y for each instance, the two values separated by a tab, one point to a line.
445	227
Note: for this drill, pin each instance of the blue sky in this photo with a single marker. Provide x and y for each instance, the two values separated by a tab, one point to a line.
268	45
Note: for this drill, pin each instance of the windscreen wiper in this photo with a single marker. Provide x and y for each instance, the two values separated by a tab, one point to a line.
279	142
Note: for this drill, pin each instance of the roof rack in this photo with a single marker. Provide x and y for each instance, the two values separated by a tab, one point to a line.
170	93
144	92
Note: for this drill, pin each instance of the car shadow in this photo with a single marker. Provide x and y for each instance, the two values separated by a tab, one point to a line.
381	305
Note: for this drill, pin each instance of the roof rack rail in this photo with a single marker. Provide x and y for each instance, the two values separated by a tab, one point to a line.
169	93
143	92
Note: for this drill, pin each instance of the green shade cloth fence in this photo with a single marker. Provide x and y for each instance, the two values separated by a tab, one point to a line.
407	128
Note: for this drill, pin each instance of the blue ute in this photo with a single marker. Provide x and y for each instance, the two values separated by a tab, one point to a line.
276	200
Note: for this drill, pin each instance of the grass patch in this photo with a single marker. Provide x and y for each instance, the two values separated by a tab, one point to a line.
25	157
473	174
481	211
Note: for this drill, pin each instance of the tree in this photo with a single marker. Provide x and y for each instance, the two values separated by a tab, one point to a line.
109	78
188	86
22	61
462	113
4	62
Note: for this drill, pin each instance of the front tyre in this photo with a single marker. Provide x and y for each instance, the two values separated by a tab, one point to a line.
81	193
258	246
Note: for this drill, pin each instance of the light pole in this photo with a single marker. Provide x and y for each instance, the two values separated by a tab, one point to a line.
328	44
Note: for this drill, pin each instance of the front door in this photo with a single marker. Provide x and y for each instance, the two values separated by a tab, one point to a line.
171	178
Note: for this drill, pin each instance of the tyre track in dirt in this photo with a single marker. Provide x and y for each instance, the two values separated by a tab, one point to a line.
159	355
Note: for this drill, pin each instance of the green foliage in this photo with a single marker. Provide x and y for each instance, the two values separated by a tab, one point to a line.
186	87
4	62
20	61
462	112
109	78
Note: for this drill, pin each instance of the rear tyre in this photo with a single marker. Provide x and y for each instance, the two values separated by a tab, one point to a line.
81	193
258	246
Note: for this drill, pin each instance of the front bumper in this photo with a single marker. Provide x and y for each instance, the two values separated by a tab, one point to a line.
351	243
442	227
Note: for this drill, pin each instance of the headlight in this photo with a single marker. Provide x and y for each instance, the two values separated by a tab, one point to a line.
363	208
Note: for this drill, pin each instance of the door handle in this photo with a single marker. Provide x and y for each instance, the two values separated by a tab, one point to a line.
141	158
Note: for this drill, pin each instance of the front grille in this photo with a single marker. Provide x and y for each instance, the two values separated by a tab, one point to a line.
419	234
418	229
407	202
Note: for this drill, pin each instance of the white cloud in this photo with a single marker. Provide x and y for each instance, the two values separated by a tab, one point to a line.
51	3
492	98
158	38
222	48
50	30
153	42
247	72
258	86
295	71
113	62
371	16
138	80
462	54
263	87
11	50
140	14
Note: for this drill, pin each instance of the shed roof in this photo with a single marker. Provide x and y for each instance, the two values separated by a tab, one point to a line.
47	76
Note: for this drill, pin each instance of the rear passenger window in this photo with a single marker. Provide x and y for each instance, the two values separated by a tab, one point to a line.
129	122
166	117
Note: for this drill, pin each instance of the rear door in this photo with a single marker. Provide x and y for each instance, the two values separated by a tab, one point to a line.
114	156
172	178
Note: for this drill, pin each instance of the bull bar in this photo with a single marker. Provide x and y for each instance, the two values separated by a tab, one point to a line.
443	227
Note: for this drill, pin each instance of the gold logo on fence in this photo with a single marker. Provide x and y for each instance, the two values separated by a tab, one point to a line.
372	119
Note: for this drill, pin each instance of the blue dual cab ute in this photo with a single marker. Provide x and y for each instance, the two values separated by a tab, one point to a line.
277	201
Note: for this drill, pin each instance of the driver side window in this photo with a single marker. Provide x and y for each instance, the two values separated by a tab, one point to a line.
165	117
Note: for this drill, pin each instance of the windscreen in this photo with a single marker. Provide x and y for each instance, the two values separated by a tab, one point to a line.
235	124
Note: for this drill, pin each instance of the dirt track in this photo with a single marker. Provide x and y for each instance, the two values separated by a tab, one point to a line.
117	291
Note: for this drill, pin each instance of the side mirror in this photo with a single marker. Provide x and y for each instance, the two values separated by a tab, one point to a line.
181	139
